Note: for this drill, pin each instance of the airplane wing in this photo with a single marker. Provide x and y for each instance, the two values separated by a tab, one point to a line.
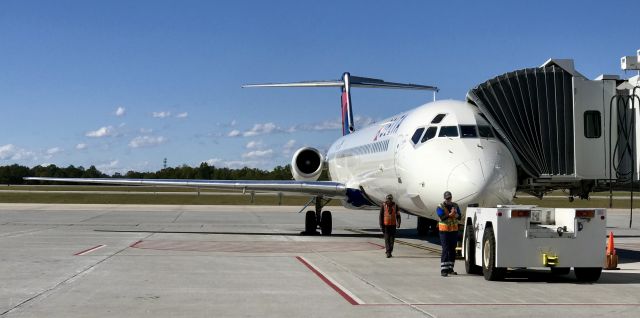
315	188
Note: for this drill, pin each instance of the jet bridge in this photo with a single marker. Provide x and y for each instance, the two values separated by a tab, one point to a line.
564	130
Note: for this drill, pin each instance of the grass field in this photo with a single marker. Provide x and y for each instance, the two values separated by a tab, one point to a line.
189	196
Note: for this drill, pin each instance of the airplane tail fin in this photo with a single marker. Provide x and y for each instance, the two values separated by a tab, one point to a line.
346	83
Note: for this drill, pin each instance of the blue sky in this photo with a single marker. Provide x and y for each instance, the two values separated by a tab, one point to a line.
124	84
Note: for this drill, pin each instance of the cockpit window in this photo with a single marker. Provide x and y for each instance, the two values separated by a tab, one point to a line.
416	135
438	118
468	131
448	131
431	132
485	131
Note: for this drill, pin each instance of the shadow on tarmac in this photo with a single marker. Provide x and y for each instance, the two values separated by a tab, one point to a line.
545	276
241	233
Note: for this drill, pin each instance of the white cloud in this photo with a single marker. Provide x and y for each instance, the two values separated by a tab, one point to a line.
12	152
49	153
146	130
110	167
146	141
254	144
234	133
101	132
321	126
182	115
161	114
215	162
81	146
53	151
234	122
261	129
362	121
7	151
288	146
120	111
258	154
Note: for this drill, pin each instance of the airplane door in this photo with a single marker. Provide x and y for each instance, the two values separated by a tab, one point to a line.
400	171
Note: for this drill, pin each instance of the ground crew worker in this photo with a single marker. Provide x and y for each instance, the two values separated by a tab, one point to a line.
449	213
389	220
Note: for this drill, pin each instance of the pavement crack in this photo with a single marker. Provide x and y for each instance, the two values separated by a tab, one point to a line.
374	285
64	282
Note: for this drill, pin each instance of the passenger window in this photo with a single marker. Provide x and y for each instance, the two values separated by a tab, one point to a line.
416	135
485	131
438	118
448	131
431	132
468	131
592	127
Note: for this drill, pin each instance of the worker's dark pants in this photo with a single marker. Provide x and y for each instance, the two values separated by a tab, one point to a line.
389	237
448	240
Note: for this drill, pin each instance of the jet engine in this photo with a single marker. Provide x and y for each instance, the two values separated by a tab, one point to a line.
307	164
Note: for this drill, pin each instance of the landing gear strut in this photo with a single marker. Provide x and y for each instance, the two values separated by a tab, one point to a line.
316	218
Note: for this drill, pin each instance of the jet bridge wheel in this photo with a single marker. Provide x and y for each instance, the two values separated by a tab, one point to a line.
326	223
470	252
588	274
489	269
310	223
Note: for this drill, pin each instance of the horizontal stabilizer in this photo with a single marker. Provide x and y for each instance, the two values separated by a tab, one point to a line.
355	81
345	84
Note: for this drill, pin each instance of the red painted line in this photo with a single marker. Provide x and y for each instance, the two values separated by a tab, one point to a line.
89	250
502	304
376	244
328	282
136	243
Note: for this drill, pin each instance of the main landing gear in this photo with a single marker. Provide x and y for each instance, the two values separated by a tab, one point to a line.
318	218
427	226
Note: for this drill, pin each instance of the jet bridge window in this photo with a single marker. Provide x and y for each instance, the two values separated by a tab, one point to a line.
438	118
468	131
592	128
448	131
485	131
416	135
431	132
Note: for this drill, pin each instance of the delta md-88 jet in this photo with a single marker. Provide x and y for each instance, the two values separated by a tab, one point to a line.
416	156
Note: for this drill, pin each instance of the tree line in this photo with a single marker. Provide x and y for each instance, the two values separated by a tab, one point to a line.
15	173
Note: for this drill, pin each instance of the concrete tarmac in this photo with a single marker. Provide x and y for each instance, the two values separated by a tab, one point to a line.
250	261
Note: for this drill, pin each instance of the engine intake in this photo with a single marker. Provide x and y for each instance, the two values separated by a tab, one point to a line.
307	164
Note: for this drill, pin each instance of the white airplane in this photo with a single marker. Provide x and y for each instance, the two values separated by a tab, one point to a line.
416	156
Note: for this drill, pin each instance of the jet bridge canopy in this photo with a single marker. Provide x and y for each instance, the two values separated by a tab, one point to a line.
532	109
552	119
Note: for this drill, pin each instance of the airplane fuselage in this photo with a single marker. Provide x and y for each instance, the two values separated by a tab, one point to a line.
416	157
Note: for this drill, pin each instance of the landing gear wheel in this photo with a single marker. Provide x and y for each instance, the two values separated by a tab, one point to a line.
310	223
326	223
489	269
558	271
470	252
588	274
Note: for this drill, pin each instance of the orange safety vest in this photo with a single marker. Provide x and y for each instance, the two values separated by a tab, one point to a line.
449	224
390	214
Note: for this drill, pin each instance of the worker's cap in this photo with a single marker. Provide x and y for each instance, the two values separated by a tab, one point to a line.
447	195
389	197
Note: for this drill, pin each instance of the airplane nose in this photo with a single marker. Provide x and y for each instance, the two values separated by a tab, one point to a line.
466	180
